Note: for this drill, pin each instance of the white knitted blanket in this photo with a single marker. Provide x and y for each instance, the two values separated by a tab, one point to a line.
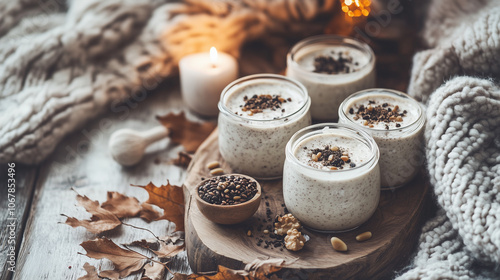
62	64
462	140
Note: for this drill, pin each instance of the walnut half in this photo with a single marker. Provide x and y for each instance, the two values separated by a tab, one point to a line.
294	240
286	223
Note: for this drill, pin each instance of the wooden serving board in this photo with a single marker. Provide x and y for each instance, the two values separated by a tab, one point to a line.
395	227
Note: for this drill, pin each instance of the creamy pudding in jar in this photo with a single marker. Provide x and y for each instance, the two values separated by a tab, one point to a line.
331	68
396	122
258	115
331	179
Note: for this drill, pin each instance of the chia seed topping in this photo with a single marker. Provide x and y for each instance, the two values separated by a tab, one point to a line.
258	103
385	113
331	65
332	156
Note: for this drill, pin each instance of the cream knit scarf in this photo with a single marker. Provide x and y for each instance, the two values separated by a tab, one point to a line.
62	64
458	78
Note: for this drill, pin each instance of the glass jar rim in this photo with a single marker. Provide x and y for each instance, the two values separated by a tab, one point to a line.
392	92
331	39
266	76
309	131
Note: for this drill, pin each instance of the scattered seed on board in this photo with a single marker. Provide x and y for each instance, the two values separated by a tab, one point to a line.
338	244
213	164
217	171
249	233
364	236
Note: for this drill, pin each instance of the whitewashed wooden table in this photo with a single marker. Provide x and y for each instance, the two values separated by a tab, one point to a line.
48	248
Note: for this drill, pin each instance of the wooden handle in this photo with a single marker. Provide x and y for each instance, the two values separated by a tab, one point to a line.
155	134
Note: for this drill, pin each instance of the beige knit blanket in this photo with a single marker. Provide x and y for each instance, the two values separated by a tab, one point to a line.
62	64
458	79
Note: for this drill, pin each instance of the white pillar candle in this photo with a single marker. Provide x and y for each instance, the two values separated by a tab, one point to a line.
203	77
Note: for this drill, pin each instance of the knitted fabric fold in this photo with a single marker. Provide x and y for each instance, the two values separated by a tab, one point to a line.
458	80
63	64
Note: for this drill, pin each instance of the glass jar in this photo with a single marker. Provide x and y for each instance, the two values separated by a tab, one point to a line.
337	77
329	198
400	141
253	143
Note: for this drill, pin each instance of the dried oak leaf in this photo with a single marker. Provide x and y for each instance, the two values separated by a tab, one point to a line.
168	250
163	247
182	131
91	273
257	270
121	205
148	213
154	271
183	159
126	261
102	220
170	198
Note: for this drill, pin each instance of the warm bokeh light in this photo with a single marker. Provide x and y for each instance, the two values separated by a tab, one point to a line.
356	8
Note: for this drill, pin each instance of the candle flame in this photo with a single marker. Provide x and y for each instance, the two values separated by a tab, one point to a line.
356	8
213	56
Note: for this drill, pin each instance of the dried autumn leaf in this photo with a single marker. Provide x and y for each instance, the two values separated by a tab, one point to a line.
91	273
121	205
153	244
259	268
168	250
148	213
185	132
223	273
256	270
154	271
110	274
170	198
126	261
102	220
183	159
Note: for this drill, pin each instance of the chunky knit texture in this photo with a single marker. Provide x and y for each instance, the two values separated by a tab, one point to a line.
462	141
63	64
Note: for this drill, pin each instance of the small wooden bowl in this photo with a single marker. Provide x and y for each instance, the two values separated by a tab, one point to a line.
229	214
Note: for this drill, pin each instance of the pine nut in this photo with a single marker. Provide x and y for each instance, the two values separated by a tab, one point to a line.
237	197
335	148
249	233
314	158
344	158
213	164
217	171
266	231
330	158
338	244
364	236
333	168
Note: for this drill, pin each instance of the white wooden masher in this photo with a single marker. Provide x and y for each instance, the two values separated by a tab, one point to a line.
127	146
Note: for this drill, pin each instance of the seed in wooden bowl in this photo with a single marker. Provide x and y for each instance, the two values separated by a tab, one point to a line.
213	165
211	190
364	236
217	171
338	244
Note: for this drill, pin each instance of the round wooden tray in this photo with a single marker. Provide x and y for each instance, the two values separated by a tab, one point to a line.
395	227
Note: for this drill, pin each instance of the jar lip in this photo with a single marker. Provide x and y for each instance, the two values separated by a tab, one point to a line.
298	137
391	92
329	39
266	76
